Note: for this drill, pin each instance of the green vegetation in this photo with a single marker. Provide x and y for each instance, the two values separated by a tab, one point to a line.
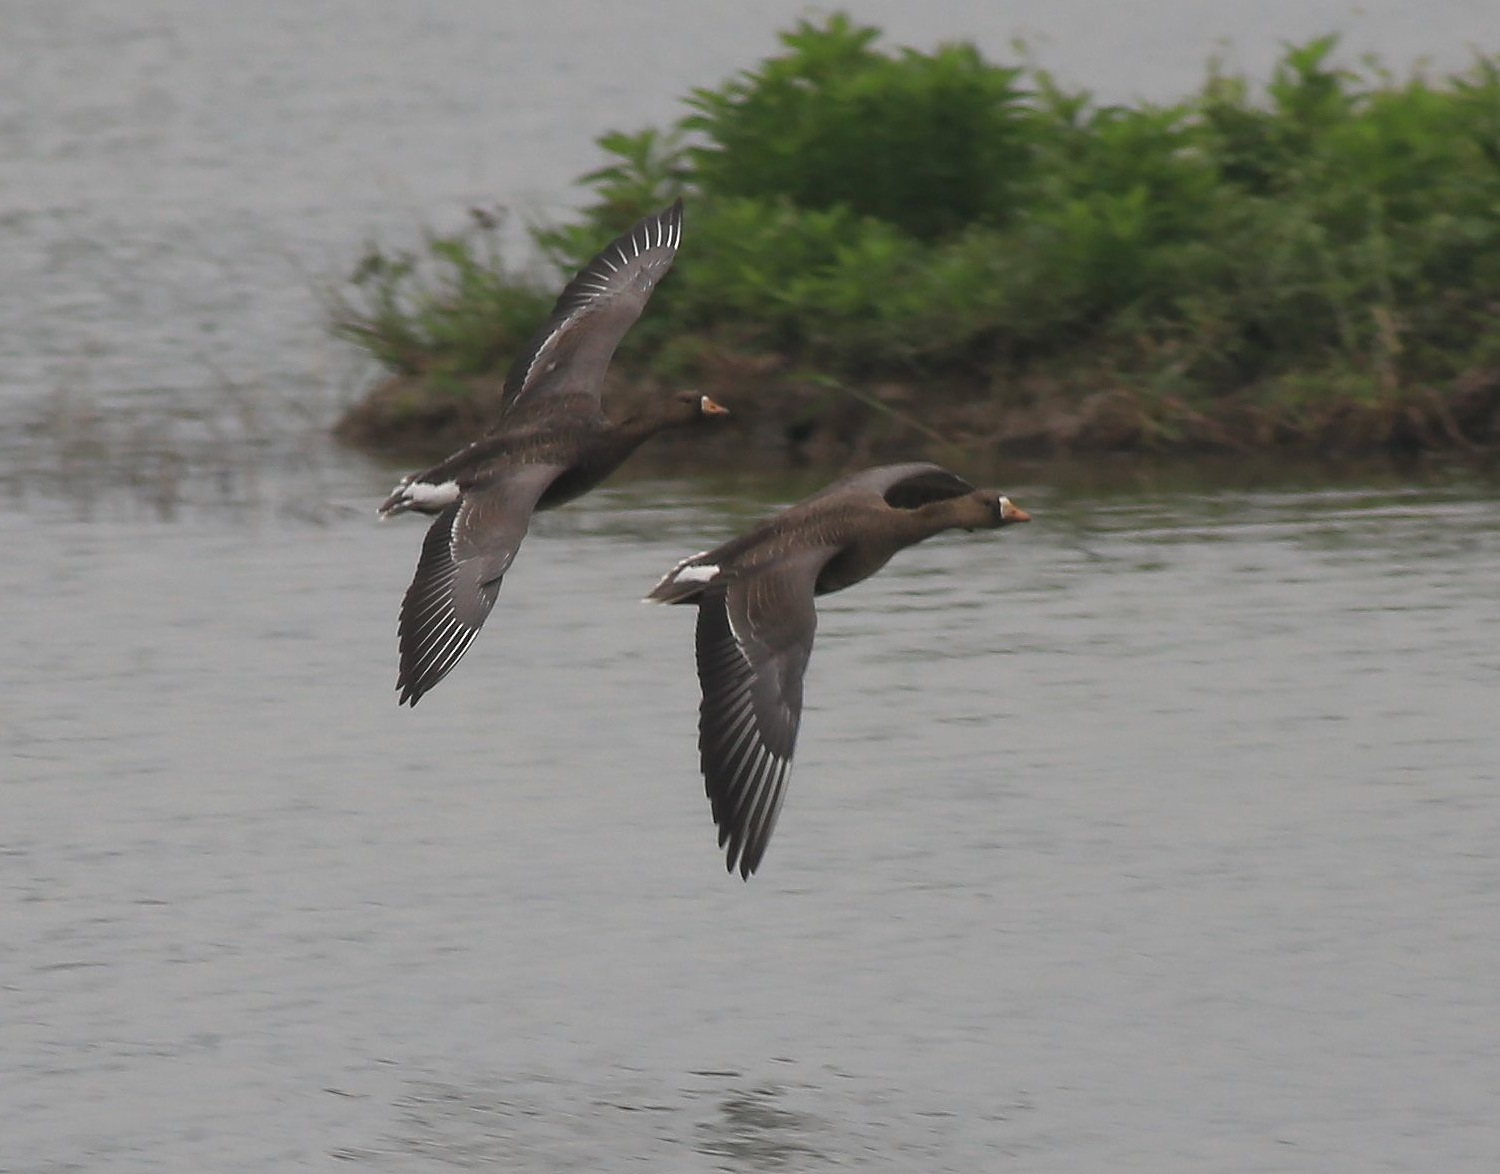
1235	268
454	308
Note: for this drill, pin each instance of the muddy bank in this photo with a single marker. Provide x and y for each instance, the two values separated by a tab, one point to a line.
782	418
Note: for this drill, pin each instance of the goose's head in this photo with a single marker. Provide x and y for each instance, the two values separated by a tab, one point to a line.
985	509
688	406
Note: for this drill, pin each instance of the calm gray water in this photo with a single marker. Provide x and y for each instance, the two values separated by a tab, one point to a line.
1158	835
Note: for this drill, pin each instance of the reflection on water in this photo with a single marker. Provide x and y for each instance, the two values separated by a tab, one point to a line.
539	1122
242	451
754	1132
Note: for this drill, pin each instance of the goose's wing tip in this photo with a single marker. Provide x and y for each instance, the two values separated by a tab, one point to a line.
604	298
464	556
745	866
751	678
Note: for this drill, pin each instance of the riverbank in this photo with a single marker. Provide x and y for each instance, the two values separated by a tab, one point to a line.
782	419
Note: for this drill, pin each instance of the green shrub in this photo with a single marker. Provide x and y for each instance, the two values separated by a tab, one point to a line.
935	216
927	142
451	308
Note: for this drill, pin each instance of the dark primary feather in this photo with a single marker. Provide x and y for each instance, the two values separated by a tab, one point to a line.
754	639
572	350
466	553
432	635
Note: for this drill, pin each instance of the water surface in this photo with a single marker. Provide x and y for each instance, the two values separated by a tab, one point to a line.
1157	835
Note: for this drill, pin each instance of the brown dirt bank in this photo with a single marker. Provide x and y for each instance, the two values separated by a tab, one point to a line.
786	418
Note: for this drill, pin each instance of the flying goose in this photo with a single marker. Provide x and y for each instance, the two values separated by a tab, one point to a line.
552	443
756	620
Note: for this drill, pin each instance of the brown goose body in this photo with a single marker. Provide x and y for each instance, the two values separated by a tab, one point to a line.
553	443
757	620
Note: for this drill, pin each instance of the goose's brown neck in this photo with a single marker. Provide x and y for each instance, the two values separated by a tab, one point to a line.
949	514
639	427
606	451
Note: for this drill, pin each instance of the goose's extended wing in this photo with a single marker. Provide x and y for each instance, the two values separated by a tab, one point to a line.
754	638
572	350
468	549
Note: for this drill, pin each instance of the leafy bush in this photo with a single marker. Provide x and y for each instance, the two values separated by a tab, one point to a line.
927	142
452	308
933	215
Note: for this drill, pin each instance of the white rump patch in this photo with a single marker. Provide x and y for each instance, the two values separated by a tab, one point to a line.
698	574
683	573
423	493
